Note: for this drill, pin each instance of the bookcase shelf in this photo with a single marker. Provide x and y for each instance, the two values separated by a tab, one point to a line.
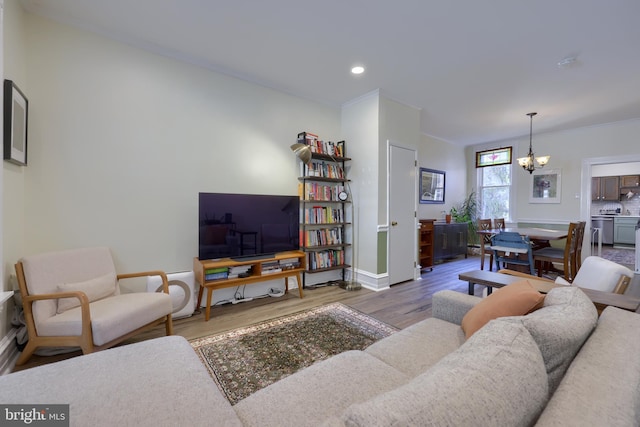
320	183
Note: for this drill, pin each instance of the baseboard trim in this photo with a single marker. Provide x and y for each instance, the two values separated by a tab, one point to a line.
8	352
374	282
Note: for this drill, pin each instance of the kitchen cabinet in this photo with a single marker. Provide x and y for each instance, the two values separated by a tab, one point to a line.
630	181
605	188
624	230
450	240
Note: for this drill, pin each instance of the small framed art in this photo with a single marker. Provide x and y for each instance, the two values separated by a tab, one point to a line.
431	186
545	186
16	112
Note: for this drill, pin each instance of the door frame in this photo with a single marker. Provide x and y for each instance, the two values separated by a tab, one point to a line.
585	196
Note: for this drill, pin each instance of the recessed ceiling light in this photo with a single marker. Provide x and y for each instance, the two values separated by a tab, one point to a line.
567	62
357	69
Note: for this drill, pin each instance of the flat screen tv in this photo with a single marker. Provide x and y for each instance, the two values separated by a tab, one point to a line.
247	226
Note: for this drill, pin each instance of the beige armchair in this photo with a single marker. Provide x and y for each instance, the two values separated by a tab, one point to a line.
596	273
72	299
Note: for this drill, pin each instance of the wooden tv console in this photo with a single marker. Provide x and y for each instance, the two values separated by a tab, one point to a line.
256	274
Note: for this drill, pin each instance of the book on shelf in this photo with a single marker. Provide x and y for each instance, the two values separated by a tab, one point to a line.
323	215
322	192
289	260
216	270
323	237
321	169
289	263
325	259
272	271
216	276
239	269
322	147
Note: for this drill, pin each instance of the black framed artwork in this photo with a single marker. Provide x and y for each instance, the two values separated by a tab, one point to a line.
16	112
431	186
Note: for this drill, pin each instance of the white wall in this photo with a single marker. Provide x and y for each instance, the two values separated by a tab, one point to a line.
568	149
13	176
440	155
360	121
121	141
614	169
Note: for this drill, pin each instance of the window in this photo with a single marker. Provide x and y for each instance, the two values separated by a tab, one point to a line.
499	156
494	188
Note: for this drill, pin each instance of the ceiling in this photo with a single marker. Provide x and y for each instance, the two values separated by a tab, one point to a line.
473	68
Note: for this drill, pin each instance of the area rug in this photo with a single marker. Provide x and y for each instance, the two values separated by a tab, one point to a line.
245	360
626	257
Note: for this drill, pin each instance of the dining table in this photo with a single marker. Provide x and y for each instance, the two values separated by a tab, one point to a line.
541	236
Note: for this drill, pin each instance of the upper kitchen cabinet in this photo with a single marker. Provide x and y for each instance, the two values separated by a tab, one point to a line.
605	188
630	181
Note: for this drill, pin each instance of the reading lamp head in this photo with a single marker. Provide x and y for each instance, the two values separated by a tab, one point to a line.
302	151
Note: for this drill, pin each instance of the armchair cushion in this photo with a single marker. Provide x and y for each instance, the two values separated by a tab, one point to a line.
44	272
600	274
110	317
95	289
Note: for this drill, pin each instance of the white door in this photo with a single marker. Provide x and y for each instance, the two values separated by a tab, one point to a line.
402	247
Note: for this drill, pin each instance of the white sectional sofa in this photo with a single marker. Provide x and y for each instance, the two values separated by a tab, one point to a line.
514	371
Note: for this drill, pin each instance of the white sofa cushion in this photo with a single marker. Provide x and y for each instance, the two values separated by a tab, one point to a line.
415	349
158	382
318	392
95	289
600	388
497	378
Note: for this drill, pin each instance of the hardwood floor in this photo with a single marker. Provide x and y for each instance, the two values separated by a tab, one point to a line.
402	305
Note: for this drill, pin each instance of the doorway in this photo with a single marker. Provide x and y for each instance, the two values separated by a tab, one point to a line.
401	214
585	196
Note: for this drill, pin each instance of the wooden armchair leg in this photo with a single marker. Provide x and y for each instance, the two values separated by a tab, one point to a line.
26	354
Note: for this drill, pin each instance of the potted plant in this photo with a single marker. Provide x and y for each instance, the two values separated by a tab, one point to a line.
467	211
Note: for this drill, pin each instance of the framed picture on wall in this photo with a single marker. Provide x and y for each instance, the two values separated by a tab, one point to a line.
16	112
431	186
545	186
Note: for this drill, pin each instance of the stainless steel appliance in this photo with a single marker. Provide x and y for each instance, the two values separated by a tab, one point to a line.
605	224
638	247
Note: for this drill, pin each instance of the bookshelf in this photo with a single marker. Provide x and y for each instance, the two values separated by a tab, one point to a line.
324	199
227	272
425	243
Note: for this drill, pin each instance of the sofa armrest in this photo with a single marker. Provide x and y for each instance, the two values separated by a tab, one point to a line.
451	306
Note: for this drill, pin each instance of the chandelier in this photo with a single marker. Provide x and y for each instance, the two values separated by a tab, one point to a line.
527	163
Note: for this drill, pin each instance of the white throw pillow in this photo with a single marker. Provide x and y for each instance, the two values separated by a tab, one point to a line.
95	289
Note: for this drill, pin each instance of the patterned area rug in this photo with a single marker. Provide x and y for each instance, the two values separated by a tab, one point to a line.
245	360
626	257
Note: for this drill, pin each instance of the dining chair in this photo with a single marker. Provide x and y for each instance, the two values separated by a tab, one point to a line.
498	223
577	259
511	248
545	257
483	225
